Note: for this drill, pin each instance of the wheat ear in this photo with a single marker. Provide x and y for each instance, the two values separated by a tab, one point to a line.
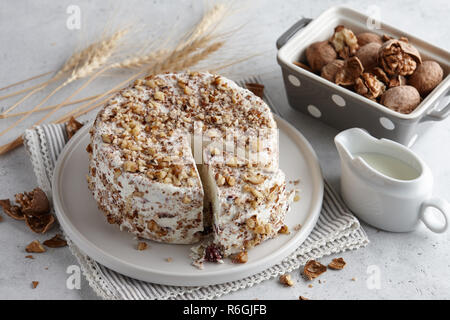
96	57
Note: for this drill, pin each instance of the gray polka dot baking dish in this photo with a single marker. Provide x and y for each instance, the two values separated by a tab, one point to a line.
342	108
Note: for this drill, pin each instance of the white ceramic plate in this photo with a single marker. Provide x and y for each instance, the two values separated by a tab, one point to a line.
86	226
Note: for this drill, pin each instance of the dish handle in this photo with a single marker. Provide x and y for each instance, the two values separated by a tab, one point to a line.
281	41
437	115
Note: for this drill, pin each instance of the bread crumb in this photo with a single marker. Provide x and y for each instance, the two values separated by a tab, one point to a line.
34	284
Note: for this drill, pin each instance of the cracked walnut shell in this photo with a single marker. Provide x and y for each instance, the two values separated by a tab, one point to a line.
72	126
12	211
40	224
313	269
56	242
369	86
351	71
337	264
33	203
398	57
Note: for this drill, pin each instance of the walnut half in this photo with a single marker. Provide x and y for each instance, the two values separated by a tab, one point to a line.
398	57
369	86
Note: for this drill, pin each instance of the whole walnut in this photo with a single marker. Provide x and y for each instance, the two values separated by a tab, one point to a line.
344	41
426	77
329	71
368	37
398	57
368	55
403	99
319	54
369	86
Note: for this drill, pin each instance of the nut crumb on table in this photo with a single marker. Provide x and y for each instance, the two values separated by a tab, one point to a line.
35	247
286	280
337	264
142	246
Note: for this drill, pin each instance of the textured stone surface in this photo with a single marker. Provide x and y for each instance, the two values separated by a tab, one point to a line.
35	39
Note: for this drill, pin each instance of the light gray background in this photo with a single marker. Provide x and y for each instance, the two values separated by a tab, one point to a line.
34	39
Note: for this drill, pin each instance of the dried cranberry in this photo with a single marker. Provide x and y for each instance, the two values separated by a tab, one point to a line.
212	253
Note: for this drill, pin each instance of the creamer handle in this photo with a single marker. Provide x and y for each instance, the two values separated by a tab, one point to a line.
291	31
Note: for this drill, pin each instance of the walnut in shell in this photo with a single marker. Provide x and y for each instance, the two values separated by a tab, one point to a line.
329	71
368	37
426	77
368	55
398	57
319	54
403	99
344	41
369	86
350	72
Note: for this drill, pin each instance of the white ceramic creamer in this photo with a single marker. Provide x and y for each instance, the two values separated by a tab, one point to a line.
386	184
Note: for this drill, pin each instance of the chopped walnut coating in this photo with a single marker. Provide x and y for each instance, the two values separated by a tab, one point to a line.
284	230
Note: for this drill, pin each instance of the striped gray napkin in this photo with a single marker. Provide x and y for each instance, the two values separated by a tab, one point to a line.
337	230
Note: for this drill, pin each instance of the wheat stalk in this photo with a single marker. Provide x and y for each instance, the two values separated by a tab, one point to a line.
69	65
96	56
69	103
26	80
186	54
